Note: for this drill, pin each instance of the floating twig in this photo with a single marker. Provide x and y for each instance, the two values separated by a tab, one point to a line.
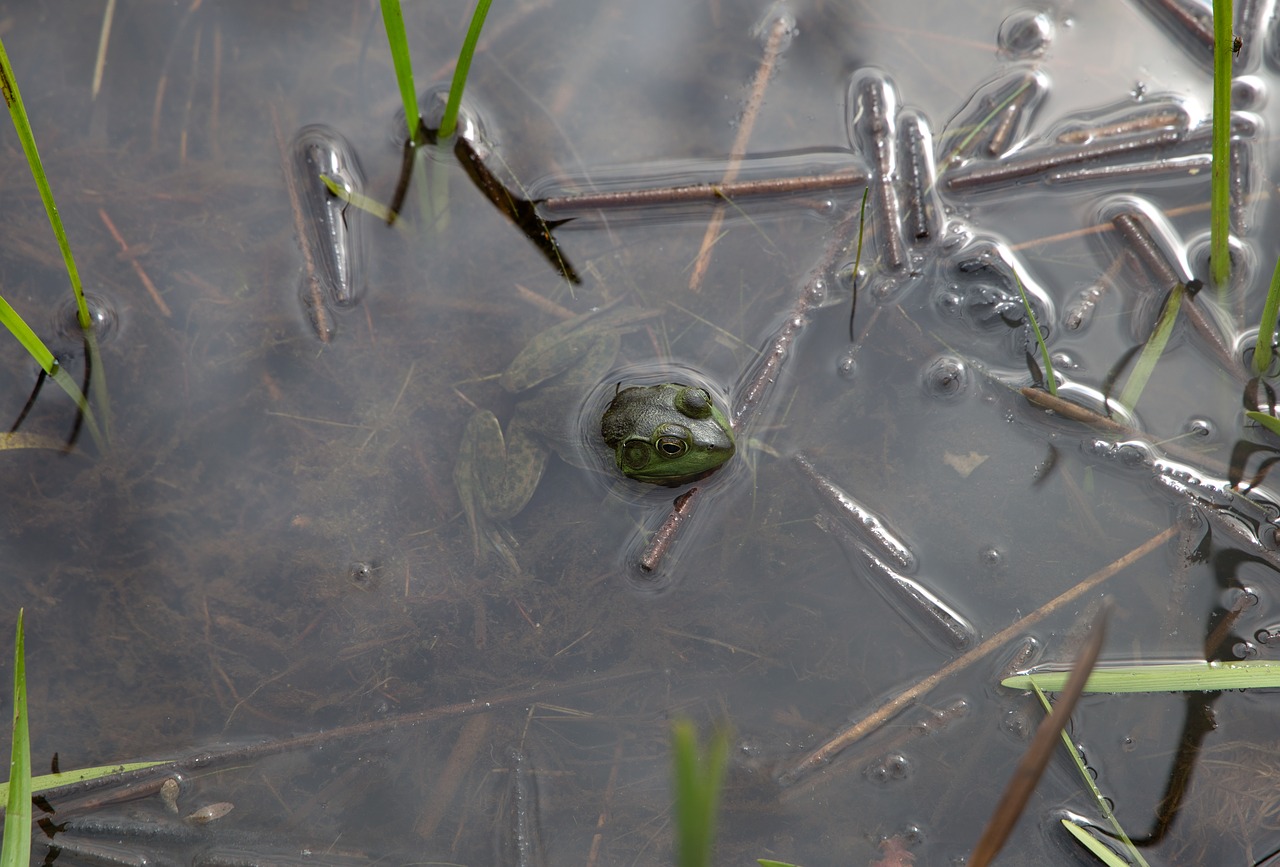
920	176
1045	159
873	128
708	192
1190	166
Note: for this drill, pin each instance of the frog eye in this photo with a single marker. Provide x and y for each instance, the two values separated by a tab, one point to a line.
634	455
694	402
672	440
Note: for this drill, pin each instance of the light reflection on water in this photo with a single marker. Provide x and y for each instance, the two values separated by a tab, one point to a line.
208	588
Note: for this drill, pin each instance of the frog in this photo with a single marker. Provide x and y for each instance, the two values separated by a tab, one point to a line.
664	434
668	434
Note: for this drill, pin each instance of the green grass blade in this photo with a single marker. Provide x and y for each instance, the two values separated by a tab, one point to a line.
45	782
30	341
449	121
359	200
765	862
1270	422
393	23
1162	677
16	849
36	349
18	112
1153	349
1088	841
698	778
1267	328
1050	380
1220	199
1098	800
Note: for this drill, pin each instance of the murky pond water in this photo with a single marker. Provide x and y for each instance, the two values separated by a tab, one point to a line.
273	546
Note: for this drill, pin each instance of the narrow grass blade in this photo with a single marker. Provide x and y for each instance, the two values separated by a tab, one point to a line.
1099	801
1027	774
359	200
45	782
18	112
16	849
1220	198
36	349
698	778
1267	328
449	121
1270	422
393	23
765	862
1162	677
857	263
1050	379
1088	841
1152	350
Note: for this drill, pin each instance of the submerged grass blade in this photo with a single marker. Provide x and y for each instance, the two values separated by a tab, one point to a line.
1162	677
1267	328
16	850
18	112
1220	200
1050	379
698	777
450	119
1099	801
358	200
1090	842
1036	758
393	23
1153	349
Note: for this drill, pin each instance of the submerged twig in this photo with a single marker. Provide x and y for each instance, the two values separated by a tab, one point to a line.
823	754
746	124
1029	770
237	754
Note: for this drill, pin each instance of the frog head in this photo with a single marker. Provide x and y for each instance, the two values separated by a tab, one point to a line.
667	434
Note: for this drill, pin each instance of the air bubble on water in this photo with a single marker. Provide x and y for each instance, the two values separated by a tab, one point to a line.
951	302
1268	634
1244	650
1201	429
946	377
1139	91
993	559
1063	361
102	318
847	364
1248	93
1015	723
778	14
1025	33
816	291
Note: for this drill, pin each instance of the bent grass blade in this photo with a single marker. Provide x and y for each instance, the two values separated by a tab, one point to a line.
36	349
